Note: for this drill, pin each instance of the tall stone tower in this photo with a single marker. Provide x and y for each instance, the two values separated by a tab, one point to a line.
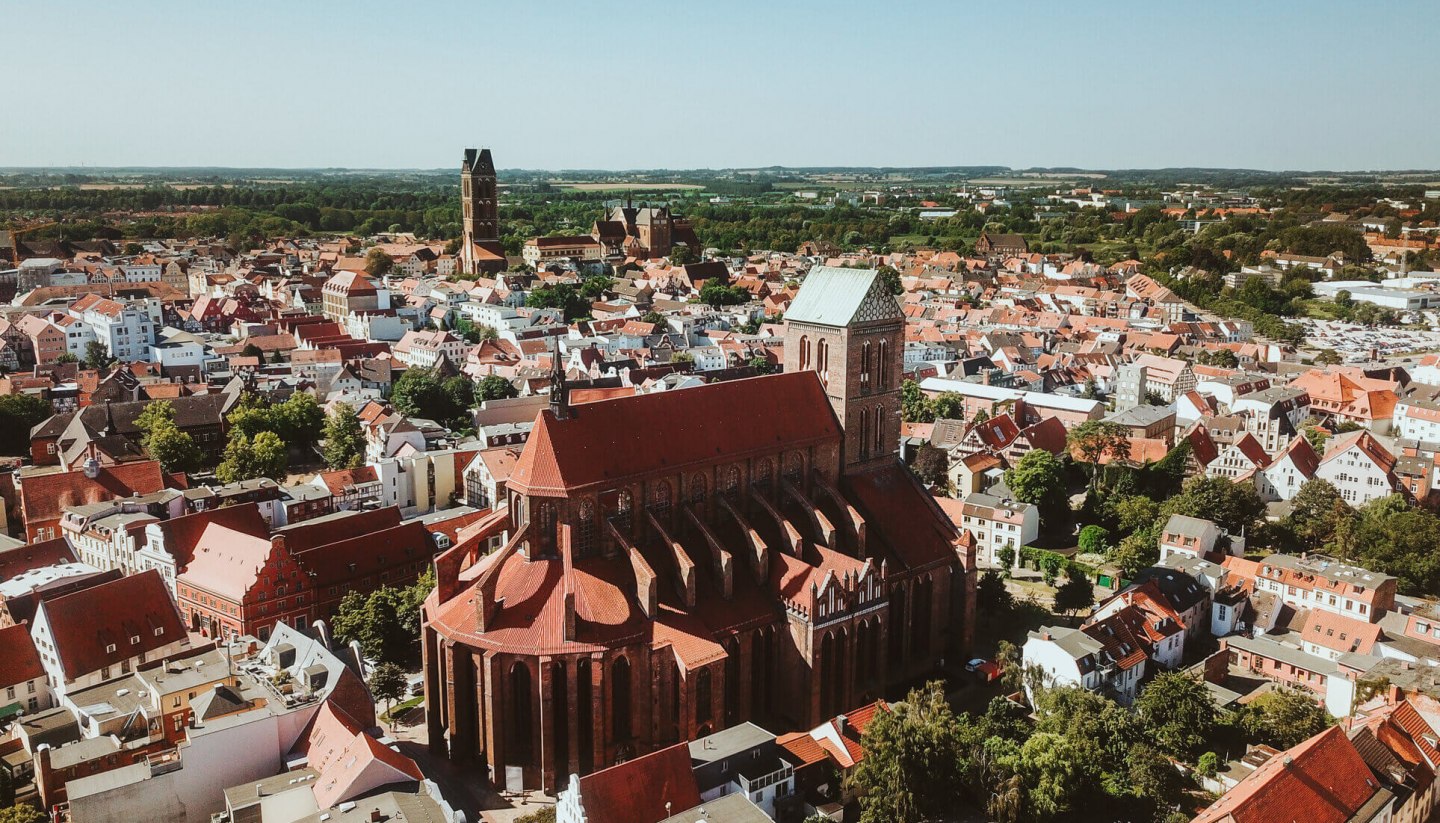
847	326
480	210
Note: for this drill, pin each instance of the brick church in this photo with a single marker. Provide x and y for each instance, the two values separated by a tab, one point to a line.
480	249
683	561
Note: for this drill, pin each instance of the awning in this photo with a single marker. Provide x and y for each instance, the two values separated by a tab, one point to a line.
10	711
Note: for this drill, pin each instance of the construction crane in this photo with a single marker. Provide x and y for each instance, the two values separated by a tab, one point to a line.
15	238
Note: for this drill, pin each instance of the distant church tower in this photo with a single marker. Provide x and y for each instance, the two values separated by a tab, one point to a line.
847	326
480	211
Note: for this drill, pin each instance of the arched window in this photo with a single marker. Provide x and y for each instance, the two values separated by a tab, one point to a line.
697	489
546	526
702	696
804	352
764	476
522	707
879	429
884	371
585	529
865	367
730	482
864	438
624	505
794	467
822	360
620	698
660	501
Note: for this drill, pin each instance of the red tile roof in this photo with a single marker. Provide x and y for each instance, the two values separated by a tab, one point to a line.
84	624
22	661
30	556
644	790
1323	780
45	497
605	441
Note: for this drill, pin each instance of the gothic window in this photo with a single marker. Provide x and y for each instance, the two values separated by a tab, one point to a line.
585	529
864	439
794	468
547	528
822	360
697	493
702	696
730	482
764	475
884	371
623	506
620	698
865	367
879	429
660	501
521	709
804	352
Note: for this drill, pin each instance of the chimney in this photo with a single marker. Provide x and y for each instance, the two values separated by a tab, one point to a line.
1045	634
375	815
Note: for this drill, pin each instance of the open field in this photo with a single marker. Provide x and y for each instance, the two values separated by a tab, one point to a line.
627	186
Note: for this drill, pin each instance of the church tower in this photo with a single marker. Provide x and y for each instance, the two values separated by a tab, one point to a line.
479	206
847	326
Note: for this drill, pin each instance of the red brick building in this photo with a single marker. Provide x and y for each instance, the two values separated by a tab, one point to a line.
684	561
240	579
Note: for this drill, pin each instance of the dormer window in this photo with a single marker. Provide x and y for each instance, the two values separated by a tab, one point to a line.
110	648
134	639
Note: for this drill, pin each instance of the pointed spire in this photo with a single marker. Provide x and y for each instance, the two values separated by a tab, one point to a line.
559	392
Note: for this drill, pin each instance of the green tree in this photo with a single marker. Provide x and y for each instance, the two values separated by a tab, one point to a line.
991	595
542	815
1135	512
247	458
1139	550
252	350
1076	594
1094	539
495	387
948	406
1235	507
1283	718
387	682
1396	538
299	420
344	438
1328	357
22	813
914	406
97	357
376	622
716	293
919	737
1010	658
1038	478
891	278
175	449
1051	564
19	414
932	466
681	255
1006	556
378	263
1178	713
654	318
1096	440
1317	513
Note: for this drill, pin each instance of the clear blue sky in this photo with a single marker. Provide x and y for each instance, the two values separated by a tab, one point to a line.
1273	84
